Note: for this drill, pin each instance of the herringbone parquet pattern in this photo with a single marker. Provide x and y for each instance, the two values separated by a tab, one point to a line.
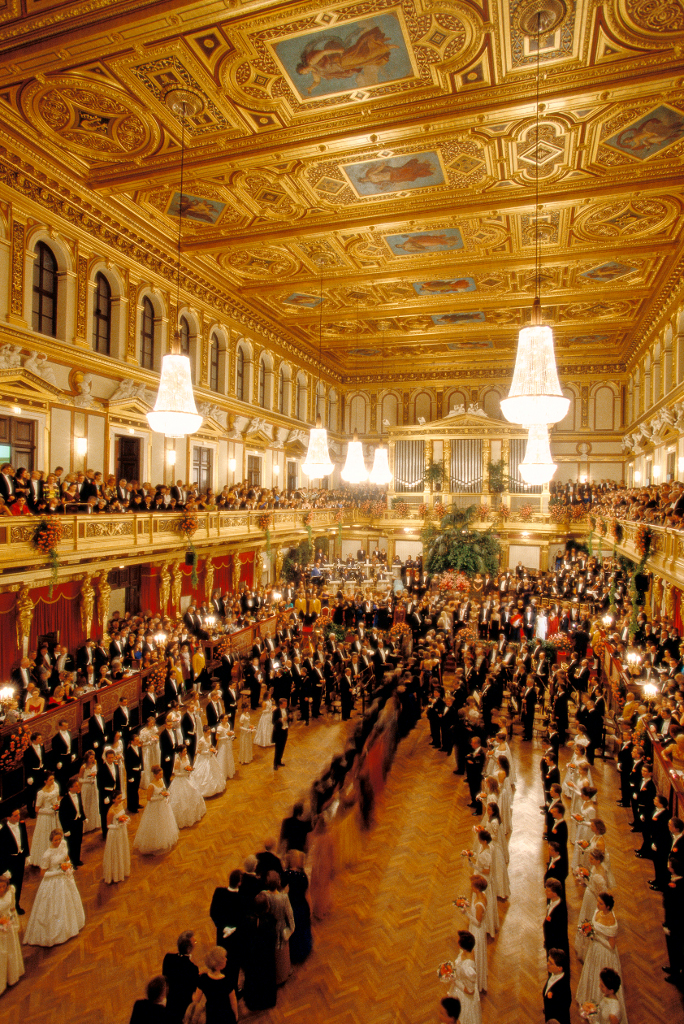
392	922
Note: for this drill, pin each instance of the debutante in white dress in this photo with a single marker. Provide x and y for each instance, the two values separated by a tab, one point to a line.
583	833
57	913
499	869
116	863
264	734
47	805
224	751
207	776
11	960
157	831
482	865
480	933
596	884
151	753
89	796
187	803
118	749
463	985
245	751
600	955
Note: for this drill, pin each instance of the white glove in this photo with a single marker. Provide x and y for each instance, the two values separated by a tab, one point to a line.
227	932
59	764
30	782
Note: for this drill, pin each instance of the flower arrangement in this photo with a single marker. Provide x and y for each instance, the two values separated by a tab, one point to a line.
378	508
560	641
643	541
445	971
123	819
425	511
46	537
578	513
587	929
439	510
402	509
65	866
264	521
504	513
308	520
399	631
525	512
224	646
366	506
601	526
467	636
483	513
339	519
616	531
158	678
16	743
558	513
187	525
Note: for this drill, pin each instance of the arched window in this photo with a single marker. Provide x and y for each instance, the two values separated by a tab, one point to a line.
102	315
262	384
147	335
281	391
214	363
240	375
45	291
184	335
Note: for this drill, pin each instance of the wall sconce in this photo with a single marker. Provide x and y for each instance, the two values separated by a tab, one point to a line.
81	446
680	463
583	478
131	430
656	472
232	465
171	458
637	476
276	469
16	409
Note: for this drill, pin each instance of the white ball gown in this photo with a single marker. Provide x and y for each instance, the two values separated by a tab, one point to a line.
186	800
116	863
47	805
11	960
480	933
57	914
463	986
264	734
151	754
89	796
245	751
157	831
207	776
482	865
600	955
224	751
596	884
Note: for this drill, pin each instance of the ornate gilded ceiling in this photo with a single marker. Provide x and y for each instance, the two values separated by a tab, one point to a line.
366	171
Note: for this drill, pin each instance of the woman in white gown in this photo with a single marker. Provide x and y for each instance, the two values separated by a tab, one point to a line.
11	960
187	803
572	769
463	982
481	863
118	748
47	806
608	1010
596	882
598	842
583	819
505	795
476	911
207	776
116	863
245	753
149	737
496	848
57	913
157	831
602	953
88	779
264	734
583	778
225	737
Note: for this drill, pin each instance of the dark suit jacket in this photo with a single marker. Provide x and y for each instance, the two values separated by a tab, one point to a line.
97	736
8	846
107	785
150	708
61	754
556	928
134	763
181	975
67	813
557	1001
227	911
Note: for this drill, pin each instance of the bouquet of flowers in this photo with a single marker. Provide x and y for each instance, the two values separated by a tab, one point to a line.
483	513
123	819
158	677
577	513
366	506
65	866
504	512
402	509
4	924
643	541
461	583
445	971
587	929
461	902
616	531
308	519
378	508
339	516
467	636
16	743
558	512
264	521
467	853
525	512
560	641
224	646
425	511
188	523
439	510
46	537
398	632
589	1010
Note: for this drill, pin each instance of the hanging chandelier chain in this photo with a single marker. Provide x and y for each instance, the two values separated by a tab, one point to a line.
180	212
537	268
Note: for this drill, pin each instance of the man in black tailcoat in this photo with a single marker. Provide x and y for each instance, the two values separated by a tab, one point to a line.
72	820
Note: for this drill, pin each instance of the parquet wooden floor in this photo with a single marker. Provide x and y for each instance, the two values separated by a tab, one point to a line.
375	956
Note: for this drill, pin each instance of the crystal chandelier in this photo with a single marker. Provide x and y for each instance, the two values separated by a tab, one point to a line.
380	473
354	471
538	466
317	463
175	413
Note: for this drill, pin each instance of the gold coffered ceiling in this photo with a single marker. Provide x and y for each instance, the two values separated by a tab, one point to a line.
390	145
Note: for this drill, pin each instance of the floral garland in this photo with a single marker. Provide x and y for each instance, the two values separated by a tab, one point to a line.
616	531
339	518
643	541
525	512
187	525
17	742
46	537
602	526
483	513
264	522
560	641
158	678
308	520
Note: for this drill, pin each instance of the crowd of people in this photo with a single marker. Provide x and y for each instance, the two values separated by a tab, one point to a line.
472	673
26	493
661	504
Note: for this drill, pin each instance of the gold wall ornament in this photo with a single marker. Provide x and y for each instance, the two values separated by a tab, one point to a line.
87	604
208	579
104	593
164	588
237	565
279	559
658	590
81	298
258	568
17	288
670	602
176	588
24	617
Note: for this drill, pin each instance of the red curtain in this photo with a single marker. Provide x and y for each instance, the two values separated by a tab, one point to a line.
61	612
9	651
149	589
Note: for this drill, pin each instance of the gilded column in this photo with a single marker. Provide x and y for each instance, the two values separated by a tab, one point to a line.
131	332
486	459
446	465
16	310
176	588
405	402
87	603
202	354
164	588
255	376
427	487
81	301
506	456
439	403
375	427
390	455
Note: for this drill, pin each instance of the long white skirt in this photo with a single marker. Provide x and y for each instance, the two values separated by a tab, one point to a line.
57	914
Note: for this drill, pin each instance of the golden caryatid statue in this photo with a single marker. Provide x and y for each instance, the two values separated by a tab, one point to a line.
104	593
658	587
87	602
208	579
164	588
258	568
279	559
237	565
24	610
670	603
176	588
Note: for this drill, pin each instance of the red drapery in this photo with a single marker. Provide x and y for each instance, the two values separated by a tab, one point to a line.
61	613
9	651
